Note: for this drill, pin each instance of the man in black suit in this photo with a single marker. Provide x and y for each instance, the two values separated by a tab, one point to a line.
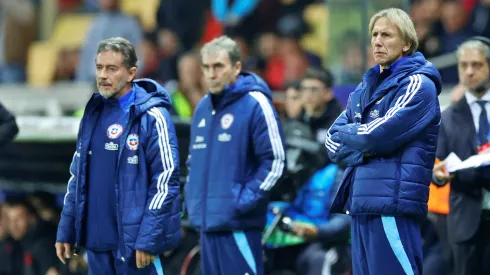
464	129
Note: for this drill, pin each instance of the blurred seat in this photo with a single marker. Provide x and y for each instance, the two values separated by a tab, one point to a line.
70	30
41	63
316	41
69	33
146	13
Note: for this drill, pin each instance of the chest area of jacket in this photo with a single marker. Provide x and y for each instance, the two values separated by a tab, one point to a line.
226	129
114	141
367	106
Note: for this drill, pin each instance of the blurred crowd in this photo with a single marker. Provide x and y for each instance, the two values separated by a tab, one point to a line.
442	25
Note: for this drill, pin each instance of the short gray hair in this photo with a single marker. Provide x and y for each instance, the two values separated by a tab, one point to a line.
223	43
123	46
476	45
404	23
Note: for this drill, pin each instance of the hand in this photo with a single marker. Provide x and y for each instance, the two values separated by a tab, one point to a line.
440	172
52	271
143	259
63	251
305	230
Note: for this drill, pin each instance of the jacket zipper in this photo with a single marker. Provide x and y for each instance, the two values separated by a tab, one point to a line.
398	183
75	251
79	152
206	171
122	141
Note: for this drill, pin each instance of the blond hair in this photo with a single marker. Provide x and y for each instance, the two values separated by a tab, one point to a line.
404	23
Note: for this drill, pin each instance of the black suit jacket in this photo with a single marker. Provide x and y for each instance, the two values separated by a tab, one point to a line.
458	135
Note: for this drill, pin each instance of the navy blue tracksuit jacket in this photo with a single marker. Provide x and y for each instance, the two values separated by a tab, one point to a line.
387	137
146	179
236	157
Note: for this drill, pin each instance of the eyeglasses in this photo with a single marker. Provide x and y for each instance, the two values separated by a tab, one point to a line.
311	89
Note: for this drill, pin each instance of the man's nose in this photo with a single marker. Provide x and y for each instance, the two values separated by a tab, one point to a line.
102	74
212	73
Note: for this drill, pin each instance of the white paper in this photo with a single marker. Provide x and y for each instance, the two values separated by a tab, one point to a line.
454	163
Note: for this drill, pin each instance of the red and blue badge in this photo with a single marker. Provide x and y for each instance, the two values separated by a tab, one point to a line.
114	131
132	142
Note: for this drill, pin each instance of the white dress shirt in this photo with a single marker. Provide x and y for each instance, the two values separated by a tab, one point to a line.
475	112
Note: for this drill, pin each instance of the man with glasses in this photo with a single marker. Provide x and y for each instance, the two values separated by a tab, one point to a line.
320	107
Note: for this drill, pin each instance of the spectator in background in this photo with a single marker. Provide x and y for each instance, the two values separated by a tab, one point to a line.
456	30
465	132
110	22
293	103
480	18
35	238
288	63
426	15
327	250
191	86
17	32
320	107
45	203
10	251
184	18
352	65
169	50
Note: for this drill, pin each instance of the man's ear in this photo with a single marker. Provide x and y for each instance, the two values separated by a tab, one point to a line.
406	47
238	69
132	74
328	95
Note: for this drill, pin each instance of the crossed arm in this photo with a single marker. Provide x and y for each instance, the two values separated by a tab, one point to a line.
349	143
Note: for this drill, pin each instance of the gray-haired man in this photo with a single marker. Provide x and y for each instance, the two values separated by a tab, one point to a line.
236	157
122	202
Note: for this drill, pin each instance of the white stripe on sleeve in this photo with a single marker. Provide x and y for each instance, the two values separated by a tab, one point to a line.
402	102
71	178
276	142
166	158
329	143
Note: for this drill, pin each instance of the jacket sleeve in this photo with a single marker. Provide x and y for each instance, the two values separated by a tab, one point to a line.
269	153
161	218
407	117
8	126
338	152
442	151
338	226
66	226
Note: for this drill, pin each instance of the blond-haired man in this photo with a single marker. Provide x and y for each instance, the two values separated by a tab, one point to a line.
387	138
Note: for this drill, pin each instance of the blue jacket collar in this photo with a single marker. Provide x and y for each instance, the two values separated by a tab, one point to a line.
146	94
246	83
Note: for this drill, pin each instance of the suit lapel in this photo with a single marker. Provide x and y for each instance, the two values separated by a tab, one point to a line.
464	125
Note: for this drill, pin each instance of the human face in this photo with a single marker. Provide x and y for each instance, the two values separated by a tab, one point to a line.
314	94
472	68
19	222
219	71
293	103
113	78
387	42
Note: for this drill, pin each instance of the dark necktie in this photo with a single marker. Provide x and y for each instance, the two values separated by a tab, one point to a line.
483	131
